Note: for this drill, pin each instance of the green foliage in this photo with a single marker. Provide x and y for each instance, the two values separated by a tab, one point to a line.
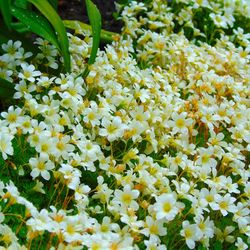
48	11
54	3
49	26
6	89
35	23
5	6
95	21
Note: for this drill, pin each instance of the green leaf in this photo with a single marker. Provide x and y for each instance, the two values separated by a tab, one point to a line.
217	245
106	36
21	3
19	27
6	89
54	3
96	23
35	23
48	11
5	6
6	35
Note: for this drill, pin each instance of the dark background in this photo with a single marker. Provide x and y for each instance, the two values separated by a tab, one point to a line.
76	10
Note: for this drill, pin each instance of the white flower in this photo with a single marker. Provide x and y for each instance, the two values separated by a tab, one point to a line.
206	226
154	243
71	175
22	89
41	221
28	72
191	232
219	20
81	191
45	144
41	166
224	203
180	123
6	145
112	129
13	49
92	114
62	147
206	158
240	244
167	207
126	198
12	117
154	227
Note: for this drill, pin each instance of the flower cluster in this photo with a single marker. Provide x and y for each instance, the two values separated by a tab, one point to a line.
150	151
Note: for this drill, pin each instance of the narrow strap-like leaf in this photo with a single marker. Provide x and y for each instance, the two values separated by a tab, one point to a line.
5	6
96	24
20	27
35	23
54	3
48	11
106	36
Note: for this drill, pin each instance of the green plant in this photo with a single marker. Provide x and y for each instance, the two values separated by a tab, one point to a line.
48	25
20	18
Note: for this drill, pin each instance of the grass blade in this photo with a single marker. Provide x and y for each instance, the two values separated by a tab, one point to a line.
48	11
35	23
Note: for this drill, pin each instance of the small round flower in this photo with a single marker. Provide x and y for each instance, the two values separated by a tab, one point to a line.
126	198
167	206
180	123
13	49
112	129
224	203
28	72
41	166
12	117
191	232
92	114
154	227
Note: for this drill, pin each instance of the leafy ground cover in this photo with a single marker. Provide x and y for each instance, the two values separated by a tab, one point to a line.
149	151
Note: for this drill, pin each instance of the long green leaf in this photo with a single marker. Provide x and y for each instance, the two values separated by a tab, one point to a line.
5	6
21	3
20	27
35	23
48	11
106	36
6	89
96	23
54	3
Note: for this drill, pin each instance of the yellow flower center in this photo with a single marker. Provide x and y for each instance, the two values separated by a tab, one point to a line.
167	207
41	165
180	123
126	198
11	118
188	233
